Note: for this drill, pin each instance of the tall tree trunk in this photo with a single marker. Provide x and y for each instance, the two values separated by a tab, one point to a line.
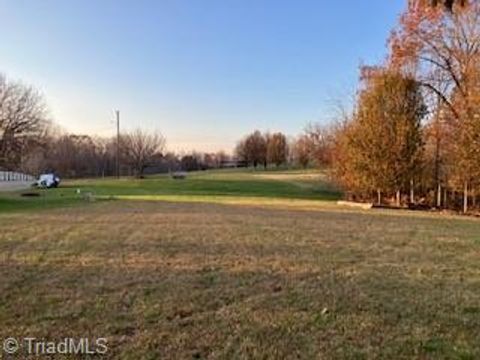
379	197
437	153
438	143
465	197
412	192
398	198
439	196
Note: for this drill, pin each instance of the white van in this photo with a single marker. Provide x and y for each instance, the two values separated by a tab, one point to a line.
48	181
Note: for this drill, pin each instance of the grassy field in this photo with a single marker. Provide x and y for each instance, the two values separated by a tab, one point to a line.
236	265
203	186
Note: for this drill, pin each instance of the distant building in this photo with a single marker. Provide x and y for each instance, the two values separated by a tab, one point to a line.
230	164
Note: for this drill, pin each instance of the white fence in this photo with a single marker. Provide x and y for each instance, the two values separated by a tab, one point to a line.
15	176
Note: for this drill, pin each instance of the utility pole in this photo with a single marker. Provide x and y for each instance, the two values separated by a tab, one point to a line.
117	112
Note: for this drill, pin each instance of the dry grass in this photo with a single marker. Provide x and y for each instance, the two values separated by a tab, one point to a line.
212	281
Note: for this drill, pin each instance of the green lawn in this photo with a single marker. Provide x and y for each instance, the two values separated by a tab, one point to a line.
307	185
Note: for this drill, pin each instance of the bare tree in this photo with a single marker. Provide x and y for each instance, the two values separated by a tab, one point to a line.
277	149
256	149
301	150
22	120
322	139
140	147
240	151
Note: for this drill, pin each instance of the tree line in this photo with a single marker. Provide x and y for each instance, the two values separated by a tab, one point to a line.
140	153
30	142
312	148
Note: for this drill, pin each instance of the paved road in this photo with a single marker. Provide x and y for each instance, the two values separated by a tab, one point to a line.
14	185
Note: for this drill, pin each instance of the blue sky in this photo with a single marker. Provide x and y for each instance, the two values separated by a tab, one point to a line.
202	72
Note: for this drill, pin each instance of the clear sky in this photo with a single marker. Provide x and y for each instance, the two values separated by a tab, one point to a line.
203	72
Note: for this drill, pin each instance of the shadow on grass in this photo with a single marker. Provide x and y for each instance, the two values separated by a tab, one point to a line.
14	202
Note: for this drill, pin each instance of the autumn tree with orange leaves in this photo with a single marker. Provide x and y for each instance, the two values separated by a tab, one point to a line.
382	146
442	50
